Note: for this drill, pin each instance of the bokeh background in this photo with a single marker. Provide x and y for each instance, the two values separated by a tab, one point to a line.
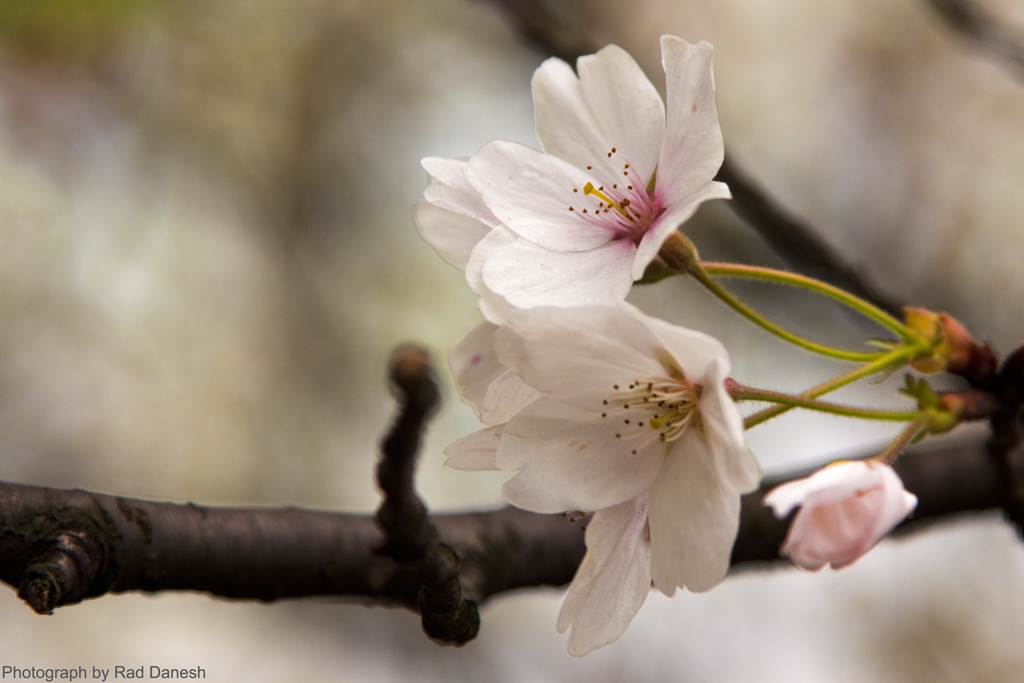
207	252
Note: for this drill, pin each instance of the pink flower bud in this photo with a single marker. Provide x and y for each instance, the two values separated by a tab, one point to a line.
952	345
845	509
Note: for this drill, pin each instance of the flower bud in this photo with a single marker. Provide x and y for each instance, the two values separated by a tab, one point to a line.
845	509
952	345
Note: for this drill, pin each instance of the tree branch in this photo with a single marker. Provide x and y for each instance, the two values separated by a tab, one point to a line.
59	547
545	31
977	25
410	539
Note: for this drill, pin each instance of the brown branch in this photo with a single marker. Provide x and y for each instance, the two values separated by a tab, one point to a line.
410	538
975	23
58	547
545	30
1007	431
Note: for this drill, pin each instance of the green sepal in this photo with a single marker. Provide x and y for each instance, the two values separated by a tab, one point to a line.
656	272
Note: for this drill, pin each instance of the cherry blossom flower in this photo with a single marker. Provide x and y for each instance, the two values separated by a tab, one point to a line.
845	509
630	419
620	174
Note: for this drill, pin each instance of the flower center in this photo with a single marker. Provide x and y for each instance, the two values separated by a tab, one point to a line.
653	408
626	207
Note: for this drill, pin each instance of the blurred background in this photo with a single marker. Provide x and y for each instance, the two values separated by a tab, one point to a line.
207	252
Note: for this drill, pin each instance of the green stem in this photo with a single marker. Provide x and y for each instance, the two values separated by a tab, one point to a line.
909	433
742	393
753	316
782	277
897	356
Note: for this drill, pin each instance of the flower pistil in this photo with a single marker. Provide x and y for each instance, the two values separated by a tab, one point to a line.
635	207
668	405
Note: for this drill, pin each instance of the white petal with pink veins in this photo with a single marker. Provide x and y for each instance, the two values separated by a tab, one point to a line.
589	353
452	235
692	149
495	393
613	580
611	104
693	518
527	275
476	452
669	222
449	188
573	464
532	194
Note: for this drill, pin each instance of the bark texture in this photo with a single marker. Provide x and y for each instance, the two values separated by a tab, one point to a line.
58	547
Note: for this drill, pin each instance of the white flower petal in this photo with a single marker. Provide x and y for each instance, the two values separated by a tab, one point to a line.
495	393
491	244
449	188
566	126
492	305
571	460
626	105
506	396
669	222
692	149
693	519
531	193
723	430
540	418
452	235
613	580
476	452
475	366
527	275
578	355
612	104
646	251
692	352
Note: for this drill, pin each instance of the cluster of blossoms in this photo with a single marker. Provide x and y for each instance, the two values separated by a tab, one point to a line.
598	408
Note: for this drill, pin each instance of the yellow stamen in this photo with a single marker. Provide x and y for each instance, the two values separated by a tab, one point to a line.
658	422
590	189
